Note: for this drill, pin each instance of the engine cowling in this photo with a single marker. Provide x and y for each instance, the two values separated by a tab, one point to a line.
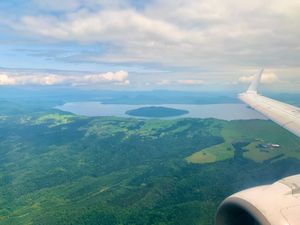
275	204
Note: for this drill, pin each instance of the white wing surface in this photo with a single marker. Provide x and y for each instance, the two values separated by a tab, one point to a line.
287	116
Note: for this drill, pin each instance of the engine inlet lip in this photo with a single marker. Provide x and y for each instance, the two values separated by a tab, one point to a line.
243	204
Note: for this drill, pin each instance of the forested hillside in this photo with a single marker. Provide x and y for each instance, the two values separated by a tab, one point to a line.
58	168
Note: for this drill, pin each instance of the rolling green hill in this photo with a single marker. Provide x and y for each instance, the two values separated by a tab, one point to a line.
58	168
259	135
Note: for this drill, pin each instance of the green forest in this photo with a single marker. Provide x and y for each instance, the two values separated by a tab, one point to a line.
156	112
59	168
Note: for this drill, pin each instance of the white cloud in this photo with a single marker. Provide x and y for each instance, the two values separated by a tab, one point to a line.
246	79
184	33
212	35
164	82
267	78
124	26
117	78
180	82
6	80
191	82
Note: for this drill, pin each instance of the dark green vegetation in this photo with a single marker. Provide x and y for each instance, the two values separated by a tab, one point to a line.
63	169
155	111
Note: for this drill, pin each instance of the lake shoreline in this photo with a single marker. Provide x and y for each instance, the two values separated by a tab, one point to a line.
230	111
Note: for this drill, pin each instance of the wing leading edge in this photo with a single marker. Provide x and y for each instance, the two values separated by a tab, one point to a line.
287	116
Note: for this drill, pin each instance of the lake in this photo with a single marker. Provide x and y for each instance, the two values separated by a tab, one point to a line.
218	111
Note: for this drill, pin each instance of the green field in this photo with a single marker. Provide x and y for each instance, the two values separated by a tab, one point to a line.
58	168
256	133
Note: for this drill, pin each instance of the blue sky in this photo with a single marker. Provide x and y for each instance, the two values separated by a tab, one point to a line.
127	44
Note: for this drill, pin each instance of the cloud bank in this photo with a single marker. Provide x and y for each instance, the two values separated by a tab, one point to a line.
186	32
13	79
267	78
209	40
191	82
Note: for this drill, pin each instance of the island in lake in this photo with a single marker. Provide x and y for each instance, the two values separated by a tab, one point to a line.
156	111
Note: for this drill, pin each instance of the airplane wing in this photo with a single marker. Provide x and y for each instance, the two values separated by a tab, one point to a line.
276	204
285	115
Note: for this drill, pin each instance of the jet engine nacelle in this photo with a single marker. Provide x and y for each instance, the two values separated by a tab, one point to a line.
275	204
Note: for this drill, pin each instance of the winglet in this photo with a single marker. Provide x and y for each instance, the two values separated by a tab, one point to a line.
253	86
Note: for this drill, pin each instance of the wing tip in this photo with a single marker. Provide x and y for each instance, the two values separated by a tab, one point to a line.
254	84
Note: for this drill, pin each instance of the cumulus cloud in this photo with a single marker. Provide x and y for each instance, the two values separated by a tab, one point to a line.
191	82
180	82
185	33
6	80
267	78
117	78
164	82
211	35
125	26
